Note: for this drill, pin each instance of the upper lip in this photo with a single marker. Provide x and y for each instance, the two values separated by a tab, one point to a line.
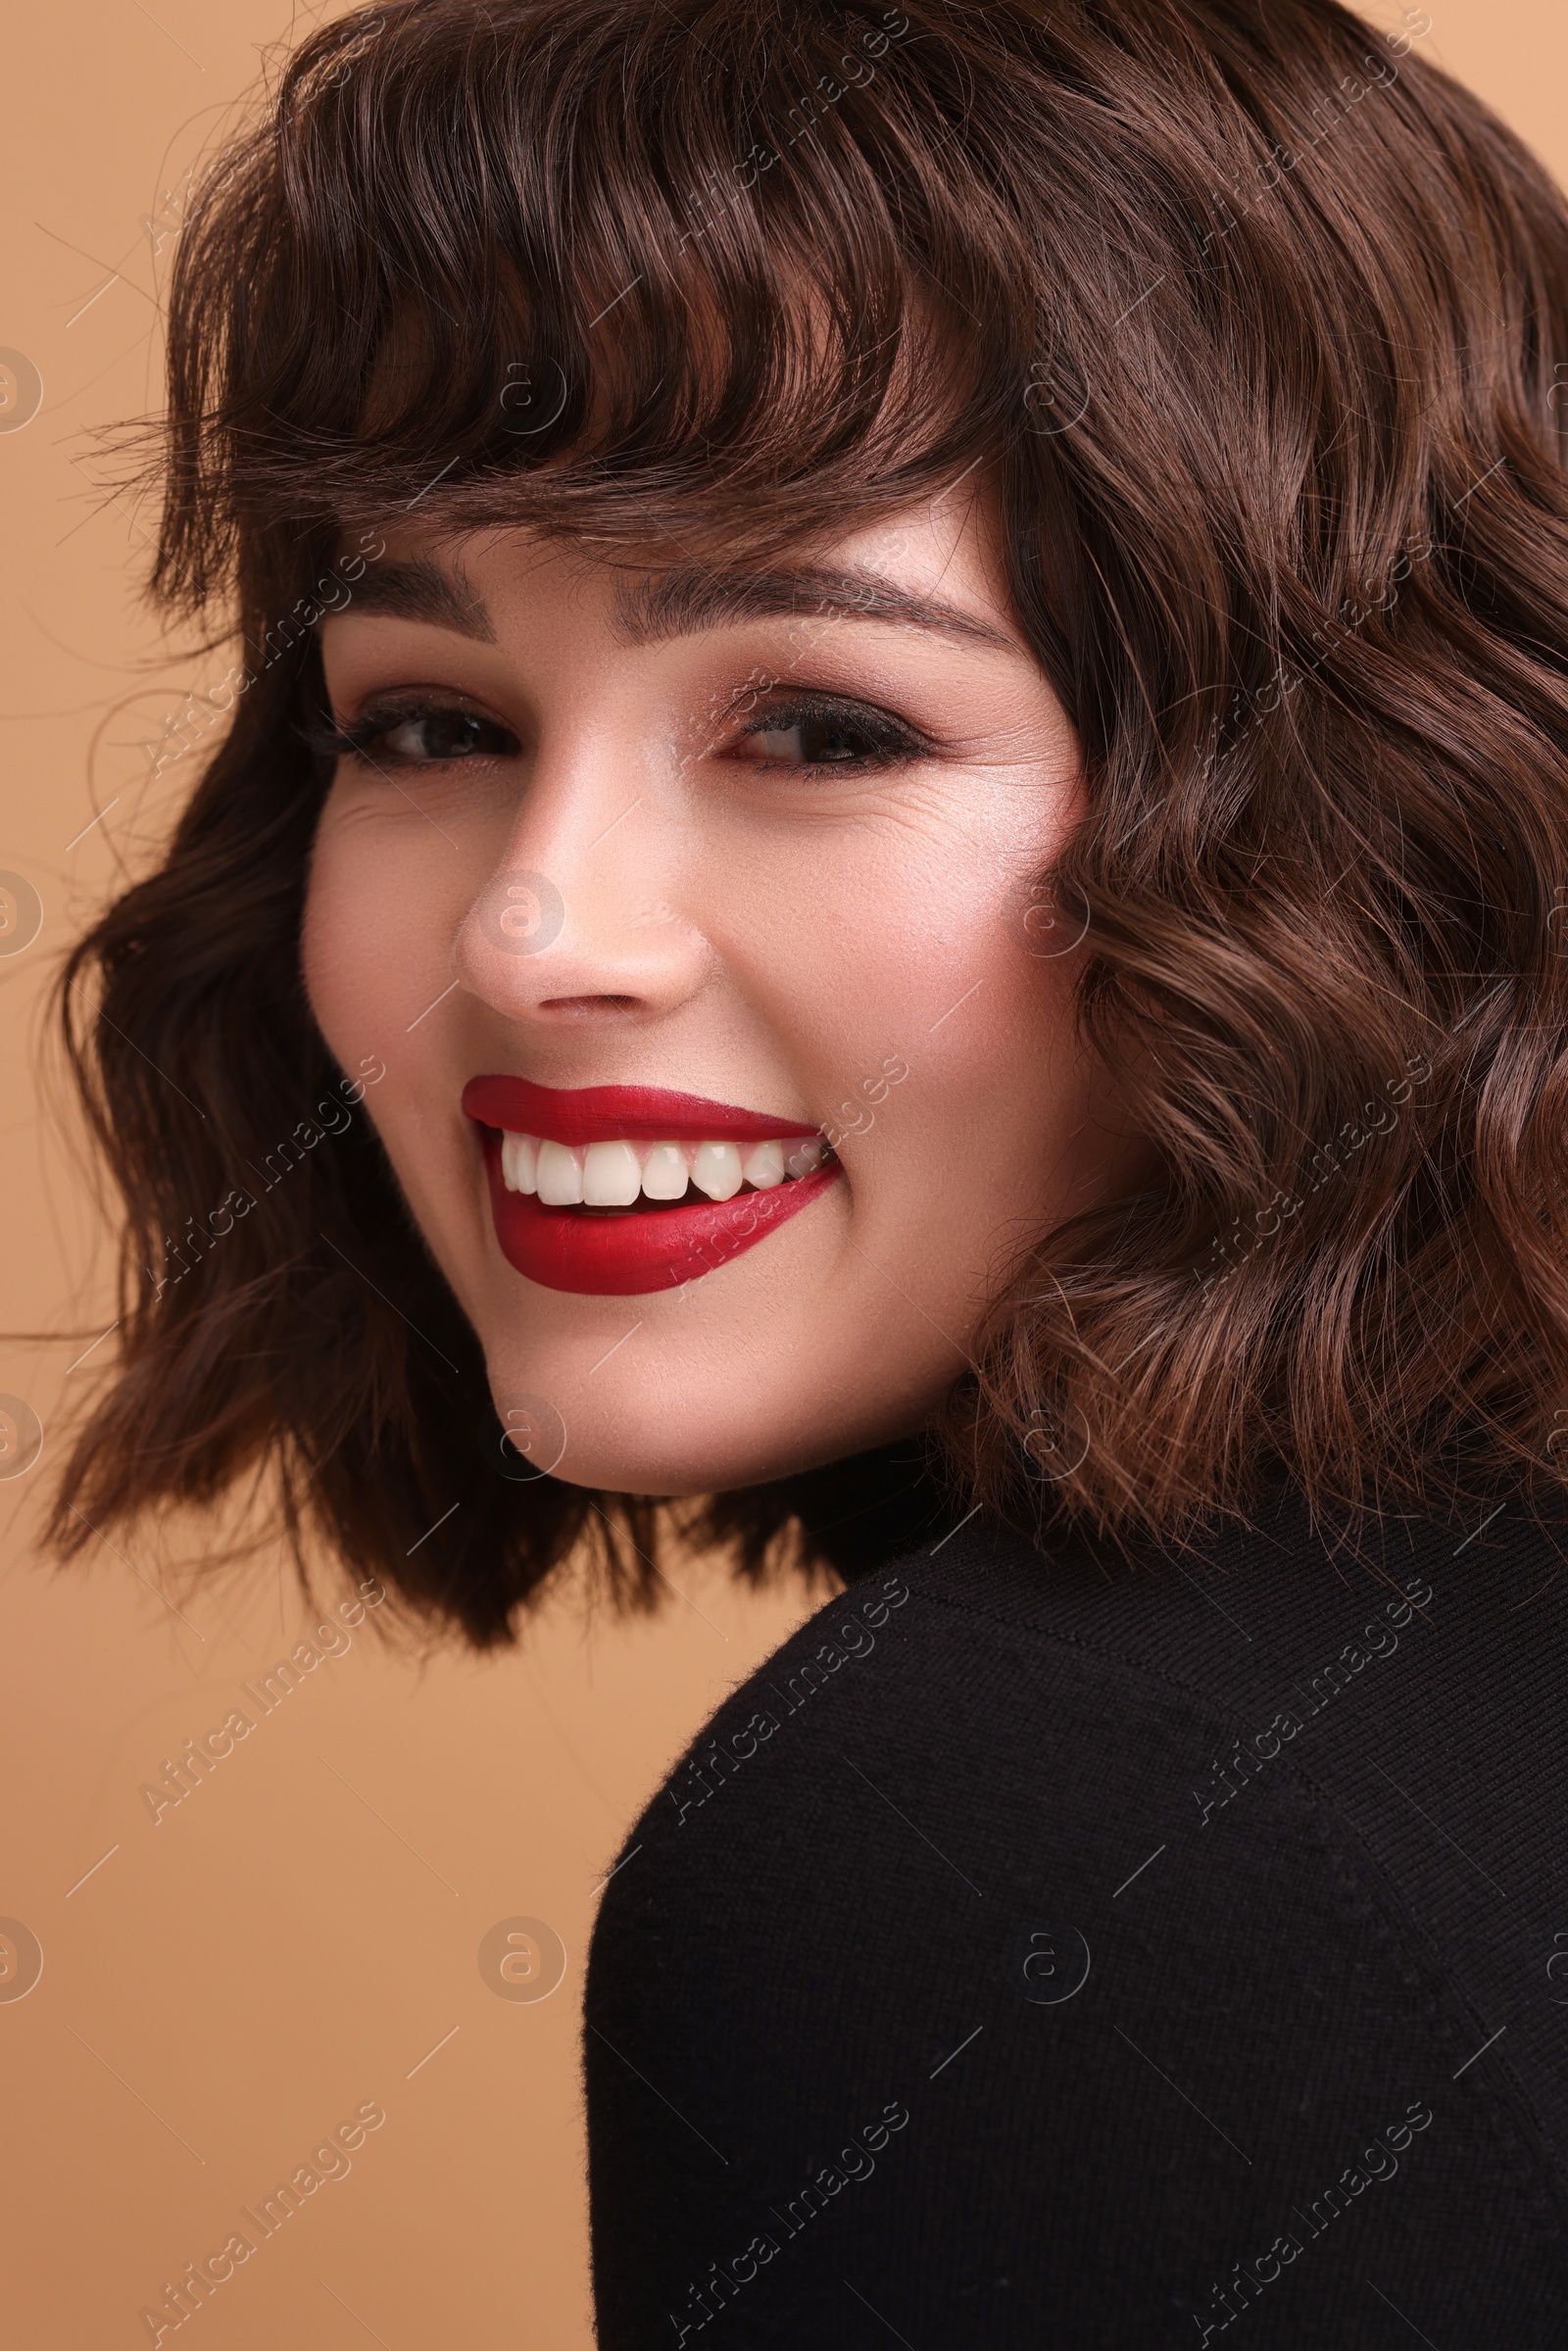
615	1113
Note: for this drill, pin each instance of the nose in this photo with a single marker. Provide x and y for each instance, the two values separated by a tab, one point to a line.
582	915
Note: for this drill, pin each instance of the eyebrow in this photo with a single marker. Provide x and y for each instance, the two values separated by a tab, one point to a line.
681	601
688	597
421	590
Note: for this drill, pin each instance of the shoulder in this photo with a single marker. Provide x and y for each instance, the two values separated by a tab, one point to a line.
950	1869
1033	1723
936	1666
986	1656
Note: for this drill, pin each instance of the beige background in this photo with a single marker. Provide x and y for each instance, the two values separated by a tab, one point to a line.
301	1935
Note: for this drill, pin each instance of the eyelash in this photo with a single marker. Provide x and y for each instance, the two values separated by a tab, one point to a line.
892	742
357	740
889	741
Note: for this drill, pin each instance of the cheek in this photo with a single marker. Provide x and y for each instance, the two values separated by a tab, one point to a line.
984	1136
377	927
938	1021
338	939
375	952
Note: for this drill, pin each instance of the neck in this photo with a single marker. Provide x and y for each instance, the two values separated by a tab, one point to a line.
867	1509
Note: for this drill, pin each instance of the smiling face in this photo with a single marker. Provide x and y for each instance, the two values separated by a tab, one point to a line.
728	1053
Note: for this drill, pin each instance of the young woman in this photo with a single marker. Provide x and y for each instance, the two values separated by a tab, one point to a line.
883	885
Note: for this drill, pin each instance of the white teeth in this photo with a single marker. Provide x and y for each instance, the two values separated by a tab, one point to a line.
665	1172
616	1175
610	1176
717	1170
559	1175
520	1162
764	1167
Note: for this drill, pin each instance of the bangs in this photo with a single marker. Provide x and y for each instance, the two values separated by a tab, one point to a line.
705	279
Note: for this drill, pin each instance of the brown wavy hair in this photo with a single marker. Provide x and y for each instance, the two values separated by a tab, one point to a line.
1258	323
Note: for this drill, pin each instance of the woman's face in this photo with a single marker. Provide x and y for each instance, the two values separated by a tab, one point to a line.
653	890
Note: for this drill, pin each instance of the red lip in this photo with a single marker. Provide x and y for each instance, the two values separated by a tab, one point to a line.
615	1113
643	1250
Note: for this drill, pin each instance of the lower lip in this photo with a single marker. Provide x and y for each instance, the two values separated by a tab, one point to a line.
645	1249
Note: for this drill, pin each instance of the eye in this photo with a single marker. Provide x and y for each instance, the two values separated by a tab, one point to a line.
420	735
824	733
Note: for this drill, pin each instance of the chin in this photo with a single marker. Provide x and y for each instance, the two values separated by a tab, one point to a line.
642	1461
689	1444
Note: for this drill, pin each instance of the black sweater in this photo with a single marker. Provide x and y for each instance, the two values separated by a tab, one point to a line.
1070	1951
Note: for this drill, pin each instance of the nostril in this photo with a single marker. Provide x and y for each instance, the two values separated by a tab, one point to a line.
577	1007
